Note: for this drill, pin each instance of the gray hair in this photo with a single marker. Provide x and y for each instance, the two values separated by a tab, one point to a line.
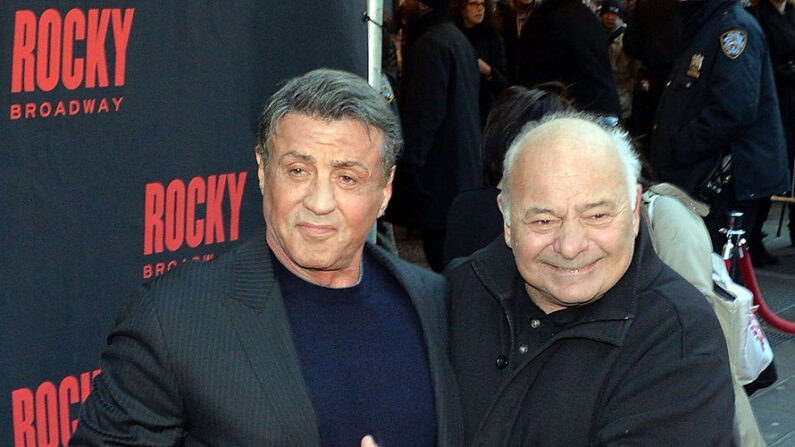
332	95
626	152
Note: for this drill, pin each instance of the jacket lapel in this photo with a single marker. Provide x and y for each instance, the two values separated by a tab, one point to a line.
432	313
257	309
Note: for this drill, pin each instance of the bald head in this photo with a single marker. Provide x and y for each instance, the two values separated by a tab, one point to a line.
575	137
570	205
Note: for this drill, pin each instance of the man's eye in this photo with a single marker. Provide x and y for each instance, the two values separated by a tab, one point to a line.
542	224
348	180
297	171
599	218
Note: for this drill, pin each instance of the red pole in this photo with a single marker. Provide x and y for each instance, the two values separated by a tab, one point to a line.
747	272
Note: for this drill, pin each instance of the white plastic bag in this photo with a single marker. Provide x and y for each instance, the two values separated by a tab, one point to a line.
749	350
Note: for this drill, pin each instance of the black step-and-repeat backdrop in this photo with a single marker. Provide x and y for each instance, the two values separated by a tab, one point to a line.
127	133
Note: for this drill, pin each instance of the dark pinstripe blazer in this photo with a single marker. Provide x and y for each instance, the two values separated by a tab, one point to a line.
204	357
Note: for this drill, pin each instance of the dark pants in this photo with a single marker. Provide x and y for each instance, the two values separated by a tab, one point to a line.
433	245
644	108
786	103
755	241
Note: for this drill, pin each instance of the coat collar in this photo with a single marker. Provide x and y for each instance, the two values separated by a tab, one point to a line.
257	310
432	313
258	313
256	284
696	13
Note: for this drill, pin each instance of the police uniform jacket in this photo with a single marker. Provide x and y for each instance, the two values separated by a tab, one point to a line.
721	99
646	364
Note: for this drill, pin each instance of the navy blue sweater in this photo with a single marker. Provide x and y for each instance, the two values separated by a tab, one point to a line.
363	358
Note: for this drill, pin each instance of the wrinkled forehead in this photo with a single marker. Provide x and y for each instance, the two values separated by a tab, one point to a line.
565	143
569	155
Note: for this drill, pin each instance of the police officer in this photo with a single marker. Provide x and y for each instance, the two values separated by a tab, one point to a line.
720	99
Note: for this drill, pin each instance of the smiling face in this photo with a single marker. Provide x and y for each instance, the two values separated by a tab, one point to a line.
572	226
322	193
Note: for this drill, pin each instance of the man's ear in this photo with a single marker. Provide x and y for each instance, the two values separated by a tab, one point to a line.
387	192
506	226
260	169
636	210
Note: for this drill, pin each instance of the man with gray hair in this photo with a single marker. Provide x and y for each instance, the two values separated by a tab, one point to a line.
569	330
305	335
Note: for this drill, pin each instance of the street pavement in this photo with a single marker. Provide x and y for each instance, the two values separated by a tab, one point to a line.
774	407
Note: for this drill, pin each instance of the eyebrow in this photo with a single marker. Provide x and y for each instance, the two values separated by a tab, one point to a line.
537	210
349	164
304	157
589	206
334	163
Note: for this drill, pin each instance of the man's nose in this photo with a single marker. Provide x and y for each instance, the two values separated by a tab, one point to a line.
320	199
571	240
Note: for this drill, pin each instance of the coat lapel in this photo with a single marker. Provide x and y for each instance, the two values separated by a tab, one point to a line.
261	322
432	313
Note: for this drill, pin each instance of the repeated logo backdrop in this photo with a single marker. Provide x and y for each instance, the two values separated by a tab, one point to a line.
127	133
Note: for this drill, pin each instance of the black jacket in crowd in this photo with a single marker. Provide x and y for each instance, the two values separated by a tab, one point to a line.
489	47
438	102
644	365
721	98
509	38
780	32
653	35
564	41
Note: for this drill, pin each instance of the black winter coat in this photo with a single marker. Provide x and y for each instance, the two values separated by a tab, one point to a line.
644	365
509	39
780	32
489	47
564	41
438	102
653	34
721	99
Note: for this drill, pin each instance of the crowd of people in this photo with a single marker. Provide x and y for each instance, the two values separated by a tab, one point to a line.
571	307
698	93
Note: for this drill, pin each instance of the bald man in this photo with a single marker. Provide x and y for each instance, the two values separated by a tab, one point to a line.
569	330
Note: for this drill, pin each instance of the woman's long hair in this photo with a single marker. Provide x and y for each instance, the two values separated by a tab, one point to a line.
490	19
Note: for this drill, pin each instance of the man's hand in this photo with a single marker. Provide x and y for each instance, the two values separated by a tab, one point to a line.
368	441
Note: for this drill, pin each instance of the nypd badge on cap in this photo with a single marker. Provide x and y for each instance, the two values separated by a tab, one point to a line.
733	42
